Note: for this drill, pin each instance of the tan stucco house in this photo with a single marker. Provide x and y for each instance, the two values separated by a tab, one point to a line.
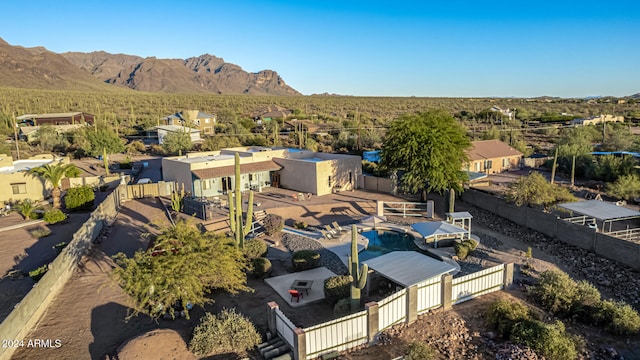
208	174
17	184
194	119
492	156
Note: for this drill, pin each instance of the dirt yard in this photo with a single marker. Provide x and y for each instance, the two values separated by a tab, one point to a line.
89	316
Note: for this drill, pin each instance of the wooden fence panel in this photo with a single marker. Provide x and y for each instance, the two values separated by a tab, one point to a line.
392	310
139	191
337	335
285	328
473	285
429	295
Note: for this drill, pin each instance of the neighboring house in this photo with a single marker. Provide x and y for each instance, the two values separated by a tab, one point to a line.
163	130
212	173
56	119
493	156
17	184
268	113
597	120
29	133
506	112
194	119
309	126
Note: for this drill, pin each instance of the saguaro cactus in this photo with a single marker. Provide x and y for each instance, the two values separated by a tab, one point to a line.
177	197
358	275
235	209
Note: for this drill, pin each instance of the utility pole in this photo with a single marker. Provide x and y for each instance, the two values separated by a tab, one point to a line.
15	134
573	169
553	169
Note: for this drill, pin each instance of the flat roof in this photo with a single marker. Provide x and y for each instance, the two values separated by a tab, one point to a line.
222	171
600	210
199	159
408	267
24	165
437	228
176	128
459	215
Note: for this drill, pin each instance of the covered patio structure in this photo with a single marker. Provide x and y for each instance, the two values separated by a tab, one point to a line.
407	268
601	211
438	230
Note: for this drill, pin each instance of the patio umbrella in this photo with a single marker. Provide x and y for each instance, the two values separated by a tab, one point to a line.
373	220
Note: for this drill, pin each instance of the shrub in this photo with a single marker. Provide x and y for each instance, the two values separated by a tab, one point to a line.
617	317
54	216
254	248
79	198
420	351
300	225
223	333
336	288
261	266
60	246
550	340
306	259
273	223
462	251
38	273
502	315
586	299
39	232
471	244
555	291
26	208
342	307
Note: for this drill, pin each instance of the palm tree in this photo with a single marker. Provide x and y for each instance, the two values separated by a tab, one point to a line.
54	175
25	208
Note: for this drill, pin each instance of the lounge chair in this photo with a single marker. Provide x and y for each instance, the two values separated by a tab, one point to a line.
325	234
330	230
337	227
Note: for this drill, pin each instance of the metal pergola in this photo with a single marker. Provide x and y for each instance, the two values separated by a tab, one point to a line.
602	211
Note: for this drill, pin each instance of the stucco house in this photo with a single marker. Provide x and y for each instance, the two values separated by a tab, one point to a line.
56	119
493	156
597	120
194	119
208	174
163	130
30	133
17	184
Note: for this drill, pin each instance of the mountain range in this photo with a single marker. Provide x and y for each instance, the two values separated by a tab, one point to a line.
43	69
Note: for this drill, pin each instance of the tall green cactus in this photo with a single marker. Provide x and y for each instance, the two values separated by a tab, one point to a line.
235	208
177	197
358	275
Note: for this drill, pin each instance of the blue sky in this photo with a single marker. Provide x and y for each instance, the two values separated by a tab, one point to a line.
364	48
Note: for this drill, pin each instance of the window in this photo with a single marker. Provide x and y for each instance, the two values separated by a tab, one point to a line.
19	188
207	120
206	185
505	162
329	180
488	165
250	177
477	164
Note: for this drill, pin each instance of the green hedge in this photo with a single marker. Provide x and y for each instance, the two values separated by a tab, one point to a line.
305	260
336	288
260	266
254	248
226	332
79	198
54	216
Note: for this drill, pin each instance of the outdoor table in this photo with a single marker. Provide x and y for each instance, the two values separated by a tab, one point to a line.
302	285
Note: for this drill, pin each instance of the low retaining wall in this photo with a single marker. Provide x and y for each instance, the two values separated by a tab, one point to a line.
616	249
26	314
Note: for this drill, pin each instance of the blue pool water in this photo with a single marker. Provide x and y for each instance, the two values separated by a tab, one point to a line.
384	241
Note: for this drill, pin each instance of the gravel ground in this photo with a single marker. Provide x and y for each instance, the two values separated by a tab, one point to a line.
327	258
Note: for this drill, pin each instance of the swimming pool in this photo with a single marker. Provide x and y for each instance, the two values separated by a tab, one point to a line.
386	241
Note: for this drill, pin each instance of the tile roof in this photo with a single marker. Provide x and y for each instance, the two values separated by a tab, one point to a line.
491	149
223	171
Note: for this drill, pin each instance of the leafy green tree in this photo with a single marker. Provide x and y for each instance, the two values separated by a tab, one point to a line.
177	142
183	265
536	190
213	143
53	174
103	138
429	148
49	139
617	138
625	187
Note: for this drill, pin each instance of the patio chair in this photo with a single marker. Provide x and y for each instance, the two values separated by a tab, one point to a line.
295	294
337	227
325	234
295	197
330	230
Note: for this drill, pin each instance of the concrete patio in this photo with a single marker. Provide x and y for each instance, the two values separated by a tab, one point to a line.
282	284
